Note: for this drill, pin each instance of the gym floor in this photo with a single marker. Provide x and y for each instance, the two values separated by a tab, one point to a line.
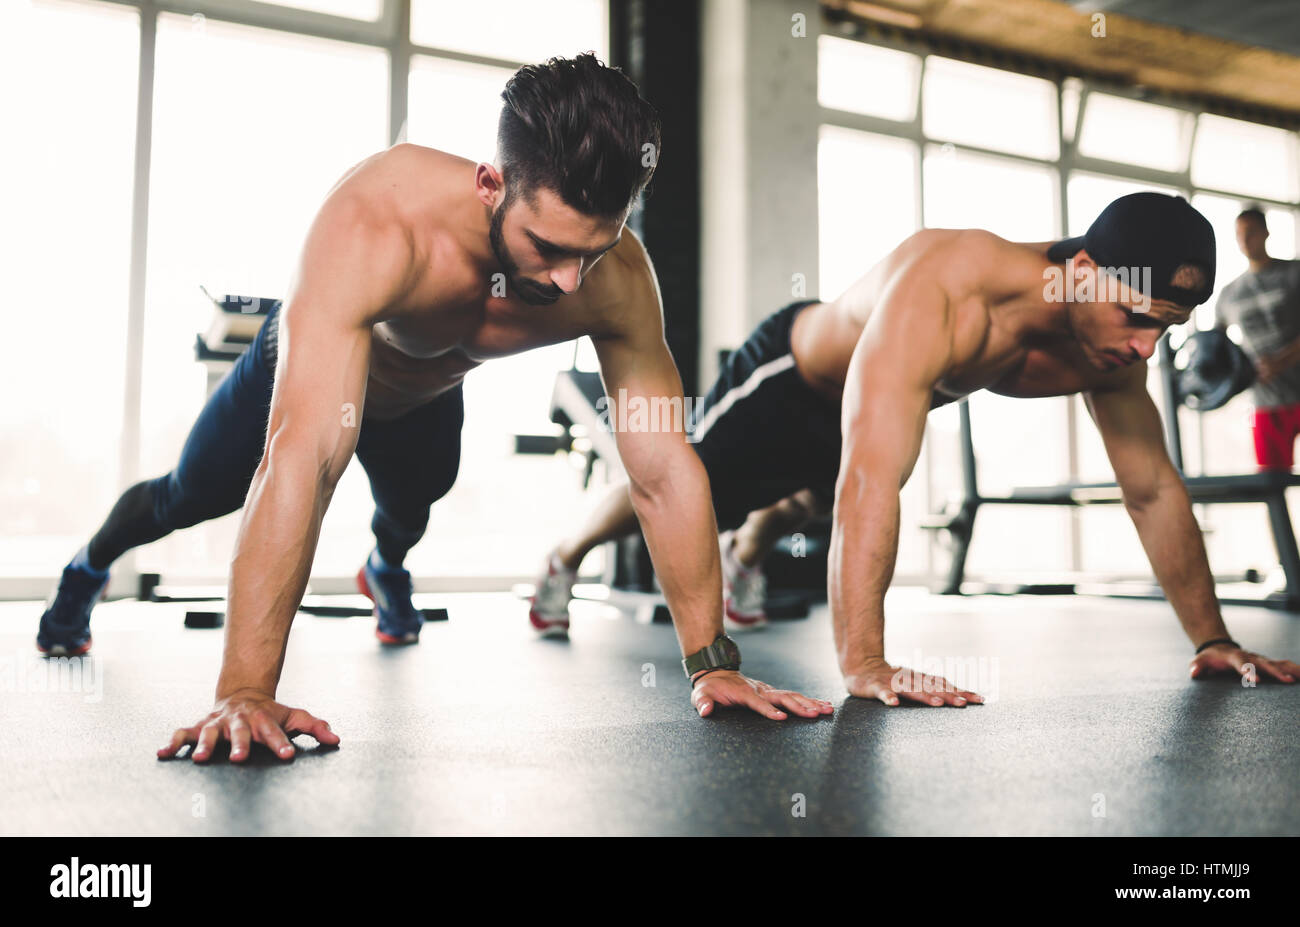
481	729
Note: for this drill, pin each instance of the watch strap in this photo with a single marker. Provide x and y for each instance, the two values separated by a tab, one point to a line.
721	654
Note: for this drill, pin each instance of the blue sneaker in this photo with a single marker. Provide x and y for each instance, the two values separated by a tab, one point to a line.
65	625
390	589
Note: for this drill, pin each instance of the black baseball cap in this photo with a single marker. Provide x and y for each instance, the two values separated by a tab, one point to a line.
1152	230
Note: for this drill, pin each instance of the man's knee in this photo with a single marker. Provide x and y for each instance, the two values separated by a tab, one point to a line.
800	507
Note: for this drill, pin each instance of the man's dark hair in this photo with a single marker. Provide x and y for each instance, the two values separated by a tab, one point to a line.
1254	212
580	129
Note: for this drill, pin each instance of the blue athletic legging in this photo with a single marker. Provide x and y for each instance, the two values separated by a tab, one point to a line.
411	463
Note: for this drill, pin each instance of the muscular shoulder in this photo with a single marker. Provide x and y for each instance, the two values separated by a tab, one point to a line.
947	268
360	239
621	293
955	260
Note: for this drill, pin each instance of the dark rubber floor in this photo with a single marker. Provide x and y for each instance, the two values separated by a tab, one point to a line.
481	729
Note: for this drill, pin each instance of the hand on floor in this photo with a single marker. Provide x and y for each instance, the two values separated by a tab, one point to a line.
728	688
245	718
888	683
1224	658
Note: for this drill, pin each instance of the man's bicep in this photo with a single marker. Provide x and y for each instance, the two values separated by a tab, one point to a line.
891	379
643	388
883	426
348	274
320	390
638	370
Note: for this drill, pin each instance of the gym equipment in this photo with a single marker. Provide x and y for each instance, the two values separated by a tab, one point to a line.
354	611
1210	369
212	619
576	404
1268	488
197	619
234	324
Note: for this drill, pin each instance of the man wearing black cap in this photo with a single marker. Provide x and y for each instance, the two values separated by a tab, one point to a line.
826	403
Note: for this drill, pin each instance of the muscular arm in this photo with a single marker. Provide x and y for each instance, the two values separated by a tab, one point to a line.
350	270
1158	503
1161	509
901	355
668	485
353	265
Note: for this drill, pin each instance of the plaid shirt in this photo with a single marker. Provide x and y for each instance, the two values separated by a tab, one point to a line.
1266	307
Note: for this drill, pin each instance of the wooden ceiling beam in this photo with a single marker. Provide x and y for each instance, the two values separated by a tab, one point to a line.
1046	36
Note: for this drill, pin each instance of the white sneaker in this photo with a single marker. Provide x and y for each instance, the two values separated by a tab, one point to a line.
548	610
744	590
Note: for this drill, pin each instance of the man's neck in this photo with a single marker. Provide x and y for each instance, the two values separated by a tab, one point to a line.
1021	304
1258	264
469	229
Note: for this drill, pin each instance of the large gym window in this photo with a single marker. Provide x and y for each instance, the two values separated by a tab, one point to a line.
521	30
354	9
65	248
867	79
258	109
1014	199
454	105
251	129
861	222
989	108
1132	132
1246	158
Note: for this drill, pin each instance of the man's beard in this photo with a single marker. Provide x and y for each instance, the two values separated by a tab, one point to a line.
529	291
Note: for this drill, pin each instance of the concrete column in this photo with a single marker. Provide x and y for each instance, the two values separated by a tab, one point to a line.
759	125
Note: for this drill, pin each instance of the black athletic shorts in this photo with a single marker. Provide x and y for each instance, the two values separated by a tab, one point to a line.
762	432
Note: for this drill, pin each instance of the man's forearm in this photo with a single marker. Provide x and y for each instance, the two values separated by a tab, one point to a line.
676	515
1173	543
864	546
269	571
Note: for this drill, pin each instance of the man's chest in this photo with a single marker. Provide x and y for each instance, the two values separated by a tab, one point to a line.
1057	371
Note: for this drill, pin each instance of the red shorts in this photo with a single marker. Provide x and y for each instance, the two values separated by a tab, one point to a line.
1275	433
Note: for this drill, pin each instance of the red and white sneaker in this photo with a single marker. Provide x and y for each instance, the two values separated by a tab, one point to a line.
548	609
744	590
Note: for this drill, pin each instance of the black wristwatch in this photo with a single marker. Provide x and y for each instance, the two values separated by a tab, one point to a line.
722	654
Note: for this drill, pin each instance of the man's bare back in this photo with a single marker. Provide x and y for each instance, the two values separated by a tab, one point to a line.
977	272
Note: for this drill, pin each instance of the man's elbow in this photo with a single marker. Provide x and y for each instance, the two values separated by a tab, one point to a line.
863	484
1138	504
1144	497
668	475
295	455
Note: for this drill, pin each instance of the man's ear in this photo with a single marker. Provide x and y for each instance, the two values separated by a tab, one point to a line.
489	184
1083	264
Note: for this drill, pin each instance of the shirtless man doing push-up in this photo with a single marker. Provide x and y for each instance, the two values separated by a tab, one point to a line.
418	267
826	402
